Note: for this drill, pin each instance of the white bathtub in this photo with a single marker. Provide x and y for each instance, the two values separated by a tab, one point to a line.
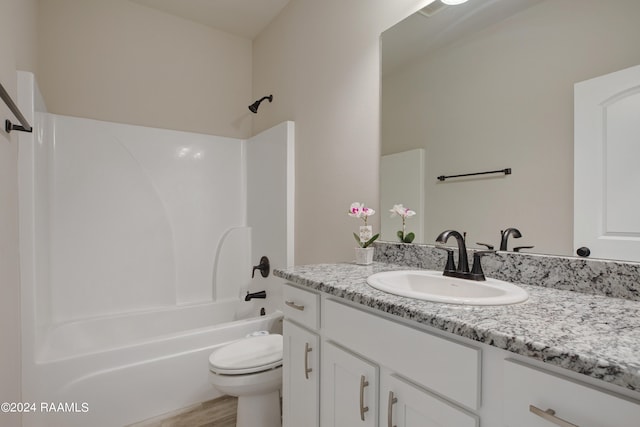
142	230
116	370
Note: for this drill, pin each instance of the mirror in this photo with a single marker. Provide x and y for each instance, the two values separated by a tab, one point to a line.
488	85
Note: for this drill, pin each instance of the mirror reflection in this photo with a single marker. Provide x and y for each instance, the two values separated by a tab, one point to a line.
489	85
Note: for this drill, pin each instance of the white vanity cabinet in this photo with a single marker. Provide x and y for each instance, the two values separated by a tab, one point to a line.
301	358
348	366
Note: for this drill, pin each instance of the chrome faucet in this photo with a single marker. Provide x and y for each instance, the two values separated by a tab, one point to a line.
505	237
462	271
463	263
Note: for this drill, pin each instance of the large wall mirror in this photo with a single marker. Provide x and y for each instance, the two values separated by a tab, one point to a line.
489	85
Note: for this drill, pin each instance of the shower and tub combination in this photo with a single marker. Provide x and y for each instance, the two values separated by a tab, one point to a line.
137	250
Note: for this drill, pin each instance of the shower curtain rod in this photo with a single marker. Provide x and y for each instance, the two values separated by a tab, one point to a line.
8	126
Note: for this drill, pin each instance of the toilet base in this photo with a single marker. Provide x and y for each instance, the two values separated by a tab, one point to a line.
259	410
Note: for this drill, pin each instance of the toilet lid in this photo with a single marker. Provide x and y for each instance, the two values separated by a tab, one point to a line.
248	355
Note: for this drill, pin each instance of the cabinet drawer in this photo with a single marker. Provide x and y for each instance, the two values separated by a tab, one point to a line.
574	402
445	367
301	306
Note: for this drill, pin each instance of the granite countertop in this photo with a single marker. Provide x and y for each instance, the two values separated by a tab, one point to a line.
594	335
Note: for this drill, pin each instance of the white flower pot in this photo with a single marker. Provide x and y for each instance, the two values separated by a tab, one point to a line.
366	232
364	256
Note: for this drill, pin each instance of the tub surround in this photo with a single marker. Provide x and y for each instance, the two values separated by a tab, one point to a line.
134	272
590	331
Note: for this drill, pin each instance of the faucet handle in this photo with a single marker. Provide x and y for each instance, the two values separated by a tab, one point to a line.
485	244
476	270
518	248
264	267
451	265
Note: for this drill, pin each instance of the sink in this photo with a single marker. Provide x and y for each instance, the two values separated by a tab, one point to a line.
433	286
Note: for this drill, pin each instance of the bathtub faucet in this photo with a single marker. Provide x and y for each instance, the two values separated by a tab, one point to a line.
260	294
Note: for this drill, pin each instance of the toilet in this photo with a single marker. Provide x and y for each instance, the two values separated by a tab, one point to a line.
251	369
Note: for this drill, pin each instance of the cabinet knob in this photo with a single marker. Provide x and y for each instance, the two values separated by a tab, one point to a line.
392	400
550	415
307	369
294	305
363	383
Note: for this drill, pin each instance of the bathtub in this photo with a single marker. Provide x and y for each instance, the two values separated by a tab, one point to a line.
117	370
131	276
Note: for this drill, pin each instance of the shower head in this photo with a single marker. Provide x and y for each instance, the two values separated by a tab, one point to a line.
254	107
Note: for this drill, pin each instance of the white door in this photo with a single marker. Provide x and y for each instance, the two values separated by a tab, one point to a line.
349	389
607	165
301	377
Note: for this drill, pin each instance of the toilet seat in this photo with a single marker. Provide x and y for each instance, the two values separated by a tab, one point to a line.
248	355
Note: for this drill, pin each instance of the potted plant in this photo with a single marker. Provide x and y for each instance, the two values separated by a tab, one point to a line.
404	213
364	251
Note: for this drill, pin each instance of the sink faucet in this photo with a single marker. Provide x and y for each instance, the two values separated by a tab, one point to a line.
505	237
463	263
462	271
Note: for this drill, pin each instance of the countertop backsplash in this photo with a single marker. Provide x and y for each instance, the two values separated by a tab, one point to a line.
592	276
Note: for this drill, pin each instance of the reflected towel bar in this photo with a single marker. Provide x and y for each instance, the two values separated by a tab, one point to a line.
506	171
8	126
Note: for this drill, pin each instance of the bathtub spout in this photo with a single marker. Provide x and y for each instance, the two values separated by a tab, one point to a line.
261	294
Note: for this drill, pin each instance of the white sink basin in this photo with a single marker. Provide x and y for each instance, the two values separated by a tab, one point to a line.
433	286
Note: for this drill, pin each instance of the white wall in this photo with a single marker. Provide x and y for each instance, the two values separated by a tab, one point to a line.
122	62
18	51
504	98
321	61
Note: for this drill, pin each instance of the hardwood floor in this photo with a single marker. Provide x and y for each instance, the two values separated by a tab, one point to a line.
219	412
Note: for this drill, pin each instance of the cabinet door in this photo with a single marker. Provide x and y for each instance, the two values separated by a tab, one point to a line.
300	380
349	389
405	405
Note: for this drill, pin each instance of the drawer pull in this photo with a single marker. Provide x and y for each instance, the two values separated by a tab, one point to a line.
392	400
363	384
307	369
550	415
294	305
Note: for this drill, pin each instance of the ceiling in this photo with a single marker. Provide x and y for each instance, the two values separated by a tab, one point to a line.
244	18
440	25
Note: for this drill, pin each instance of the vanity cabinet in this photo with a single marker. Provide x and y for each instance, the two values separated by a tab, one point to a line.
301	359
347	366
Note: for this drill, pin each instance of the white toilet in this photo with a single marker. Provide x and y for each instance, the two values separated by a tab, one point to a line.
251	369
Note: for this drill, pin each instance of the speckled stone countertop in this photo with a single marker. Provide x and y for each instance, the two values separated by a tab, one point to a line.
594	335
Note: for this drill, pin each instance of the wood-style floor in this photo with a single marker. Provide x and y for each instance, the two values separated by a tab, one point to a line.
219	412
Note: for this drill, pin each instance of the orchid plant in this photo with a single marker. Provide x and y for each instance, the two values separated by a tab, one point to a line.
365	238
404	213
